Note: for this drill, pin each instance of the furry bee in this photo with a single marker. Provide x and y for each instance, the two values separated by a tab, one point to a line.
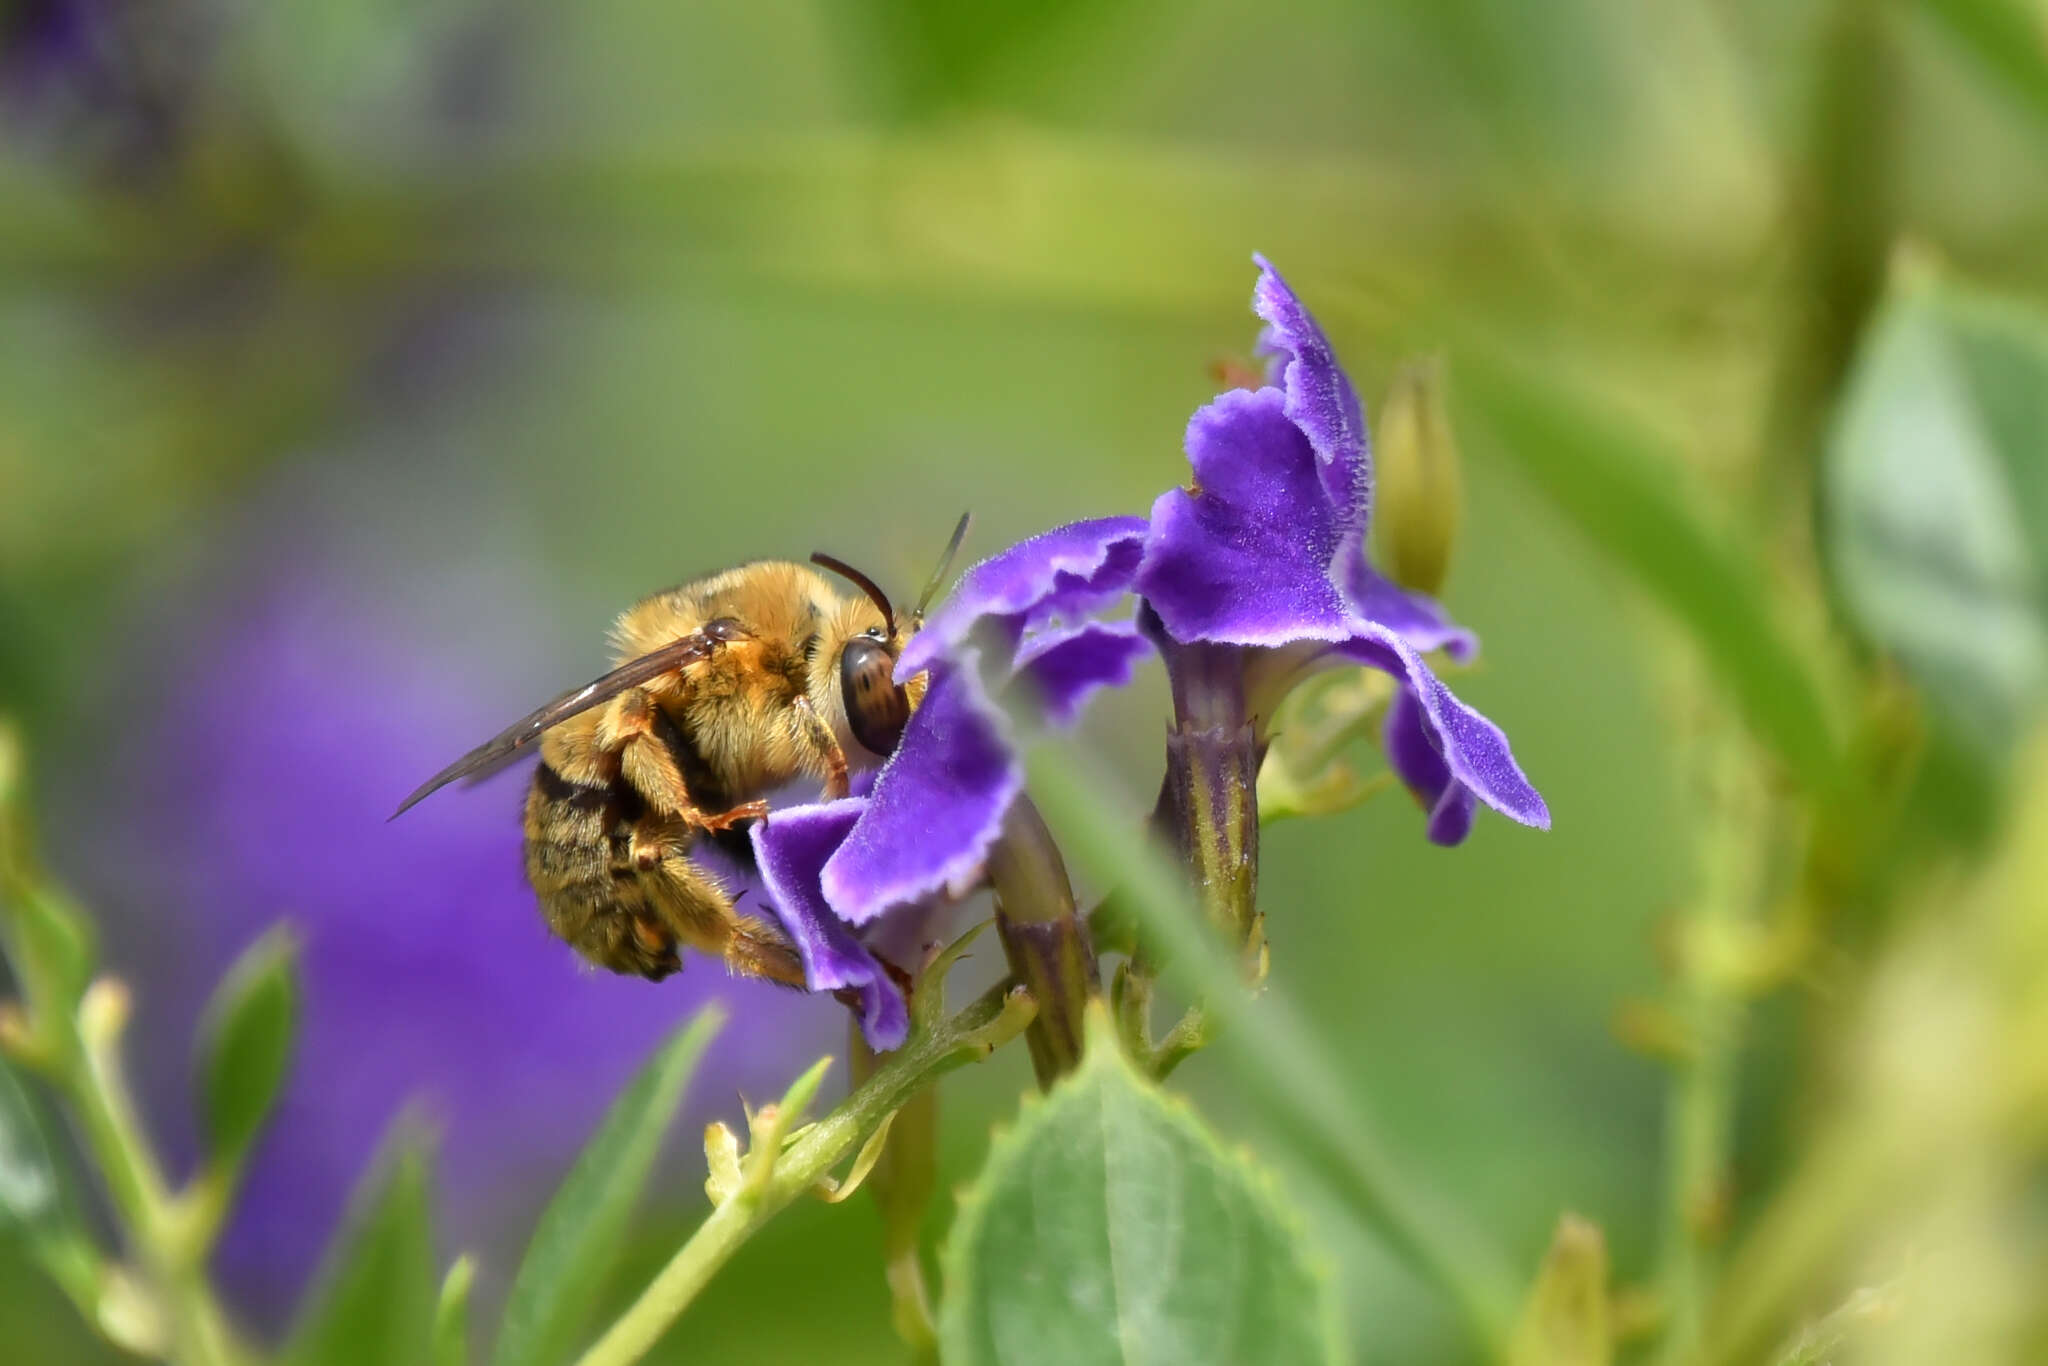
727	688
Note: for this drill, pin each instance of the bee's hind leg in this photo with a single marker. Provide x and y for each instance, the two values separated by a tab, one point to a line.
703	916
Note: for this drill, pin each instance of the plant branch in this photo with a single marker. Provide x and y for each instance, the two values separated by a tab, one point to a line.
998	1015
902	1182
71	1032
1044	938
158	1222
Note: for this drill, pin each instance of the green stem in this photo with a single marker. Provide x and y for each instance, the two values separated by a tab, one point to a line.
995	1017
1044	938
902	1183
1699	1118
1734	823
155	1220
74	1031
1208	813
1844	219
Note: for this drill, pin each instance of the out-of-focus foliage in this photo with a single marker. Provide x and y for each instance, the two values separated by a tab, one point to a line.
572	1249
252	1022
1938	504
375	1297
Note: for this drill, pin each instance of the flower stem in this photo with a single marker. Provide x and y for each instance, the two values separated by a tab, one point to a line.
1715	938
902	1183
155	1219
1208	814
1044	937
1211	809
998	1015
71	1032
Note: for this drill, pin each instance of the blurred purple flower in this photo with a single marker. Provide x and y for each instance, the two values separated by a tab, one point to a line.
113	82
264	753
45	43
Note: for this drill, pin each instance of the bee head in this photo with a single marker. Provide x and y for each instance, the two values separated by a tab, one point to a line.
877	706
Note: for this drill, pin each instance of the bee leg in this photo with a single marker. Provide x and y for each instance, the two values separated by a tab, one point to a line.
630	728
818	733
702	915
725	820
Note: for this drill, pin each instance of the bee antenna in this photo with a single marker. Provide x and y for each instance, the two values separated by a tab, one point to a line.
931	585
860	580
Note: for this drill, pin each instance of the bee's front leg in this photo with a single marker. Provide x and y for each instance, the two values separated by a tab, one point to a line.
820	735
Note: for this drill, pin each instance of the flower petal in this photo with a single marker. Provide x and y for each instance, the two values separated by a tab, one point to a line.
1420	620
1244	557
937	806
1413	754
1320	399
1066	572
791	849
1473	751
1063	667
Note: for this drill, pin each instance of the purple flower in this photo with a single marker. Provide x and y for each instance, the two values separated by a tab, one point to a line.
1256	575
846	875
1250	579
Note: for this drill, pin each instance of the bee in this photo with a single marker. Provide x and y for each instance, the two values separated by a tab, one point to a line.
728	688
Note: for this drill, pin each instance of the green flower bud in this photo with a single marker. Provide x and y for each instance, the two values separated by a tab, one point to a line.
1565	1320
722	1161
1420	491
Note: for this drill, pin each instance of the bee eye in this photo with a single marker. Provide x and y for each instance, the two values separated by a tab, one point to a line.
876	709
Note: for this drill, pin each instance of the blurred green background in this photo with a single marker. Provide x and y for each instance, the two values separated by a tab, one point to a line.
536	308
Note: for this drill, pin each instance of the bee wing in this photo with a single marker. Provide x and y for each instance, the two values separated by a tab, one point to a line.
507	744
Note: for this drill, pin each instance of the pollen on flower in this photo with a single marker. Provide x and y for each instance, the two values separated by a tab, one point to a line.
1235	372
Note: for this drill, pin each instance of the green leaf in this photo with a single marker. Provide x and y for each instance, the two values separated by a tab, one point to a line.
31	1195
1110	1226
1626	496
2007	41
39	1206
245	1044
374	1300
1937	503
584	1225
53	946
451	1315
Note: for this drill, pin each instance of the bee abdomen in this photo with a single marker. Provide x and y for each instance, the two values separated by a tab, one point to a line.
577	861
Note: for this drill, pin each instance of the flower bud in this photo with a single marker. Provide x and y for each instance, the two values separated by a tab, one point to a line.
1420	490
103	1013
722	1161
1565	1320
